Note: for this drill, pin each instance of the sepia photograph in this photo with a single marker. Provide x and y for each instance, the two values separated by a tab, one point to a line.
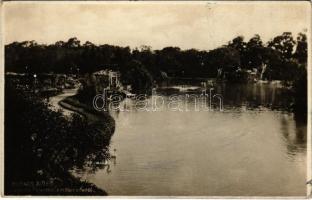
156	99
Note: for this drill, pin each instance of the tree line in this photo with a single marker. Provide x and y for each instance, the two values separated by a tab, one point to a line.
278	59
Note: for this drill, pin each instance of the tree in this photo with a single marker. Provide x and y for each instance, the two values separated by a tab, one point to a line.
167	60
284	44
301	49
73	43
136	75
239	44
225	61
59	44
254	56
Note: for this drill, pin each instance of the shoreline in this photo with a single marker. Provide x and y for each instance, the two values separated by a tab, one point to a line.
95	118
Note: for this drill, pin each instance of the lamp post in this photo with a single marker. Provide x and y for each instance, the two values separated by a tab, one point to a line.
35	81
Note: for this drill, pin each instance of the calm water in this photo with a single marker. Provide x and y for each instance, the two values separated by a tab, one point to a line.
253	147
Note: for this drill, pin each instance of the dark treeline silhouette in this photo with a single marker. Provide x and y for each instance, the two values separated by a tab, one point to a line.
281	57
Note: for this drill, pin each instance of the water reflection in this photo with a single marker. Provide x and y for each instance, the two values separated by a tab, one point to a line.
254	147
271	96
294	133
237	96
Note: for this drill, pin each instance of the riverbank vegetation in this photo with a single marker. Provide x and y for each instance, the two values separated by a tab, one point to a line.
280	57
42	147
283	58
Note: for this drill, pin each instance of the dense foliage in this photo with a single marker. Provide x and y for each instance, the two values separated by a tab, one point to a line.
41	146
138	76
280	55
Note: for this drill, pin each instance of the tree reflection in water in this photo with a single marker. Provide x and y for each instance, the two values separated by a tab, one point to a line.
296	140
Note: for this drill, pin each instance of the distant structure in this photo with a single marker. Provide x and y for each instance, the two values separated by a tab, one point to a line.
114	79
252	75
107	79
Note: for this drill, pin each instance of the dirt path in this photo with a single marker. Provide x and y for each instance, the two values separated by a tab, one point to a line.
54	101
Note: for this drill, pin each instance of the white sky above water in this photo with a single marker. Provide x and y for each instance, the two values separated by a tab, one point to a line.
198	25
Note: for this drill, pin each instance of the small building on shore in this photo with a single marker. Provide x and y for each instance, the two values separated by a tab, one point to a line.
107	79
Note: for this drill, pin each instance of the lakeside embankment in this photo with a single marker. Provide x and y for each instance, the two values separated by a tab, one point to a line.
92	116
102	121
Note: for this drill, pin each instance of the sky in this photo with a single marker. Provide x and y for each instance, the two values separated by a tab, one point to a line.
199	25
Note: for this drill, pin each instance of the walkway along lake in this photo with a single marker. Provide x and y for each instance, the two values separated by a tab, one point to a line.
254	147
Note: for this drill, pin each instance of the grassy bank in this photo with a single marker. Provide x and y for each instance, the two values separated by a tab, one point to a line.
72	103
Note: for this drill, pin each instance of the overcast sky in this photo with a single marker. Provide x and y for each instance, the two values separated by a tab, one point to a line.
199	25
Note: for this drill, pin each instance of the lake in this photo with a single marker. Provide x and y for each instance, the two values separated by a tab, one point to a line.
253	147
